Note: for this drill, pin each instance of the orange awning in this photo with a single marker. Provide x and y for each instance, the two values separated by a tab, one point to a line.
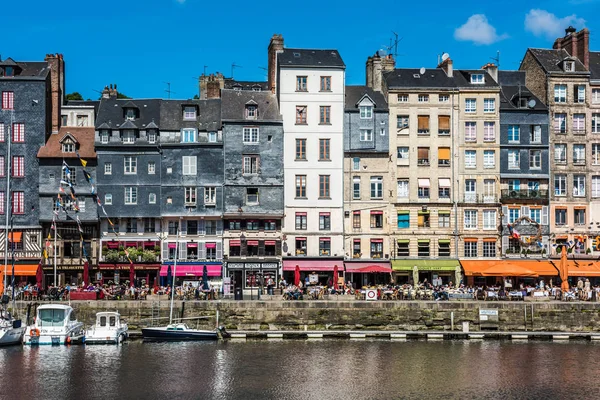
15	237
21	269
582	268
533	268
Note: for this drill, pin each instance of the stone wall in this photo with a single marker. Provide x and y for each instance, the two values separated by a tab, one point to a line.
353	315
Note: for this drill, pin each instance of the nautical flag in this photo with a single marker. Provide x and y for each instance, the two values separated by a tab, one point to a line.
83	162
87	175
515	234
63	182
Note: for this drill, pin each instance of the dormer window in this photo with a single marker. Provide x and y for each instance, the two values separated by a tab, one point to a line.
212	137
237	87
152	136
188	135
128	136
9	71
569	66
522	103
68	146
251	111
104	137
366	112
189	113
130	114
477	79
256	89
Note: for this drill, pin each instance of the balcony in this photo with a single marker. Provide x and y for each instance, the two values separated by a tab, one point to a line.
526	194
475	198
423	162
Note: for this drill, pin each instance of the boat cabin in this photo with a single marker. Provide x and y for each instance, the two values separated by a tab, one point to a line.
110	319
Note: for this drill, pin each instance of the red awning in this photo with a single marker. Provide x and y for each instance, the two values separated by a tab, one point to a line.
311	265
234	243
112	245
368	267
270	243
192	245
150	244
130	244
192	270
172	245
252	242
211	245
376	212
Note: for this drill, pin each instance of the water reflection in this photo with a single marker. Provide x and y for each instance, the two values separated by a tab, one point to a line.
324	370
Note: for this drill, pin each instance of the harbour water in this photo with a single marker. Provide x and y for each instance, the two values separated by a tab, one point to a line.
328	369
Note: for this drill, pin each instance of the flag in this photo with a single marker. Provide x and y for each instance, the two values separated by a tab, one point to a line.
87	175
83	162
515	234
60	189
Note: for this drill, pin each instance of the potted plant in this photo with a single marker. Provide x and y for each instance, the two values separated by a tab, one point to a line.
148	256
157	249
112	256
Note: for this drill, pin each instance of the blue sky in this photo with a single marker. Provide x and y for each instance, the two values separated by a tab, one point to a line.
141	44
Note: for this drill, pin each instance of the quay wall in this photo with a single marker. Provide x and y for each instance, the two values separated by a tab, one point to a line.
352	315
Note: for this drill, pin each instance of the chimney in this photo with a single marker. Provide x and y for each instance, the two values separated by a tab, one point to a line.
492	70
376	66
446	65
275	46
577	44
105	93
369	72
211	85
56	64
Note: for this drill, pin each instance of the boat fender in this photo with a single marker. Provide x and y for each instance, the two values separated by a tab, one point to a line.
34	332
68	340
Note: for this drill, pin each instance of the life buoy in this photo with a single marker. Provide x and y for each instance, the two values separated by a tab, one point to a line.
34	332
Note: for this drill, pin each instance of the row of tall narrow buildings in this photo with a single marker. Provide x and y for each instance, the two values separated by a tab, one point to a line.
414	175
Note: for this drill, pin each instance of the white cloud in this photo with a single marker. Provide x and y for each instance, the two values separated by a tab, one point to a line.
543	23
478	30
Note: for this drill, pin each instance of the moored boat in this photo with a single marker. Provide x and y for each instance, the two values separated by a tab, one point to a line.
182	332
54	324
109	329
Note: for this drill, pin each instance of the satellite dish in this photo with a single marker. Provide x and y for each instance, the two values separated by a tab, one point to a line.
531	103
422	70
445	56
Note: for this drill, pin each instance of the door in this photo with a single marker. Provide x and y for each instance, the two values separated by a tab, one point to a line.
470	191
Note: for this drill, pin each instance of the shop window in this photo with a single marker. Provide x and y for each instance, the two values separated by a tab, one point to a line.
403	249
444	248
301	246
423	248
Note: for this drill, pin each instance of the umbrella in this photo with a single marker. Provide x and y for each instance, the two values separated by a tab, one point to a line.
297	276
335	277
205	278
563	270
39	275
131	274
169	276
86	272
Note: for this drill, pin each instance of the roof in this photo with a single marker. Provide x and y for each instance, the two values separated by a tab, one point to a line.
208	118
550	59
111	112
463	78
509	96
412	78
355	93
27	68
84	136
246	85
54	307
511	78
310	58
84	103
595	64
234	103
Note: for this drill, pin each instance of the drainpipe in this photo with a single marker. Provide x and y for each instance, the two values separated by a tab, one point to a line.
454	165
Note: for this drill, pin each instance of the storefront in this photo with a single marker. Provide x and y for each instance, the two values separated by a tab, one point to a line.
24	273
119	273
437	272
362	273
320	269
193	271
65	274
248	280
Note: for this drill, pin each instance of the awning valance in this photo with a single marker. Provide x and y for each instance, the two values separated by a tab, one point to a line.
192	270
211	245
368	267
15	237
312	265
517	268
423	182
425	265
21	269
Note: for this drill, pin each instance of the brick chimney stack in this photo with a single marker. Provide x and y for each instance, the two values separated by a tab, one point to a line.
492	70
110	91
275	46
577	44
211	85
376	66
448	67
56	64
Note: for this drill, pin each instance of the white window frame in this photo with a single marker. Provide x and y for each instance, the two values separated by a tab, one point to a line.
376	187
489	220
128	136
130	195
595	153
130	165
251	134
366	135
489	159
514	129
470	106
470	131
402	98
108	199
402	188
402	152
249	167
366	112
444	98
477	79
151	136
560	190
560	93
514	159
535	159
489	105
129	114
560	149
595	186
489	131
423	98
356	164
579	185
104	137
470	159
580	94
578	153
189	135
596	123
210	195
470	219
595	96
151	167
212	137
152	198
189	112
190	195
250	200
107	168
189	165
536	134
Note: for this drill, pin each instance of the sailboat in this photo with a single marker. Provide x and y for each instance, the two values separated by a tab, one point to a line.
11	329
180	331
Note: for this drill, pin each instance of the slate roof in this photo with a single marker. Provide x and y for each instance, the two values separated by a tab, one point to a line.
245	85
509	99
436	78
355	93
234	105
463	78
595	64
27	69
110	112
310	58
83	136
208	118
550	59
511	78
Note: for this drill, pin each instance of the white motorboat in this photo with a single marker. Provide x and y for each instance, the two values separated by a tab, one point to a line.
109	329
54	324
11	331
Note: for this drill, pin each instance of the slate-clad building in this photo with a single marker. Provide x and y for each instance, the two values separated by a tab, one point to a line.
253	186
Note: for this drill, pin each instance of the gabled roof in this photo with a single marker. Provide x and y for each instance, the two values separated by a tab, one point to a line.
354	95
84	136
68	136
245	85
310	58
9	62
463	78
104	125
152	125
110	112
128	125
130	104
234	103
595	64
208	118
38	69
550	60
412	78
512	87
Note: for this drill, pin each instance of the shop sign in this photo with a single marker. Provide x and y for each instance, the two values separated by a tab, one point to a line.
313	279
235	265
270	265
488	314
371	294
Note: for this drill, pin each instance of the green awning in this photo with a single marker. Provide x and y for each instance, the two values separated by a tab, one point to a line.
425	265
444	241
443	212
403	212
423	212
423	241
403	240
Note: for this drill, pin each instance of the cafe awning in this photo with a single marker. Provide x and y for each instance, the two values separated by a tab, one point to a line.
517	268
368	267
126	266
425	265
15	237
21	269
192	270
312	265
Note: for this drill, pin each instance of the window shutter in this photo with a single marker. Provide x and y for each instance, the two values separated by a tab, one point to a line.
278	248
165	251
194	165
219	251
201	227
545	217
443	153
423	153
444	122
423	122
201	251
184	227
525	213
545	244
504	215
182	250
504	244
219	227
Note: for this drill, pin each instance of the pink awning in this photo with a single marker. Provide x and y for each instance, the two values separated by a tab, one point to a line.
192	270
211	245
269	243
112	245
368	267
192	245
130	244
172	245
234	243
252	242
150	244
311	265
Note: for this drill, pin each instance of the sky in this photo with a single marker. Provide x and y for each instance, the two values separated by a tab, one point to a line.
140	45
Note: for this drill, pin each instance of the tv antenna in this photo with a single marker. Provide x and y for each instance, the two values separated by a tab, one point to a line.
168	90
265	69
497	59
233	67
394	44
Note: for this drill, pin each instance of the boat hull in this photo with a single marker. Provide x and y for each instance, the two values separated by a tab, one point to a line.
114	337
11	336
161	334
74	335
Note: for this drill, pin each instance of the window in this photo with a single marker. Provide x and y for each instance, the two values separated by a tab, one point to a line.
578	153
323	186
376	187
443	156
188	136
190	195
366	135
596	186
535	159
444	98
560	153
301	221
251	111
104	137
250	135
356	252
444	219
212	137
579	216
423	156
560	185
470	248
152	198
376	248
18	202
356	219
300	186
423	190
130	165
489	248
301	246
489	105
18	167
489	219
535	214
108	199
470	190
325	85
8	100
376	219
403	98
402	153
129	114
68	146
595	123
324	221
189	165
324	150
151	167
513	214
250	164
423	220
128	137
402	121
470	219
578	185
251	195
423	247
535	134
270	225
444	188
470	131
514	159
356	188
324	246
423	124
470	159
402	189
560	216
210	195
403	219
595	96
131	195
2	166
325	114
579	93
403	248
443	124
356	164
107	168
477	78
470	105
18	133
578	124
301	83
560	93
514	133
489	159
131	225
1	132
560	123
301	115
2	201
366	112
423	98
300	149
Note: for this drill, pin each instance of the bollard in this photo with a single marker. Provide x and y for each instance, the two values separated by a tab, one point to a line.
452	320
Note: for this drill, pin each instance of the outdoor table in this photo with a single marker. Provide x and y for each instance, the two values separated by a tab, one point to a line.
387	294
540	293
491	295
515	295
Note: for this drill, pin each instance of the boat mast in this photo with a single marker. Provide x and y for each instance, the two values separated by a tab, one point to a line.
8	209
174	273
